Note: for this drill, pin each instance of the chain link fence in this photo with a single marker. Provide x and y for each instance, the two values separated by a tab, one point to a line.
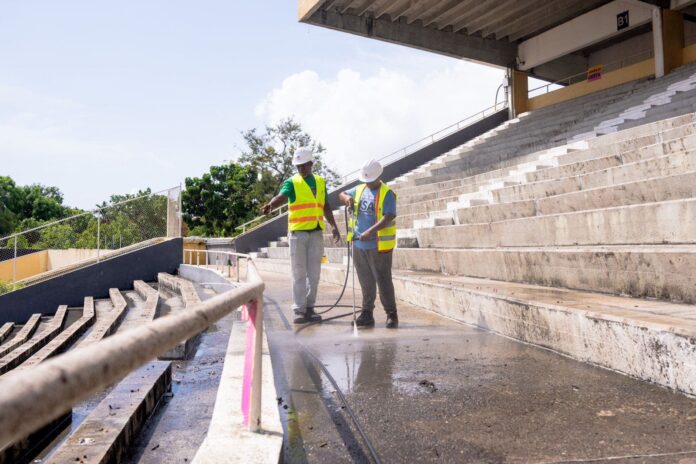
91	236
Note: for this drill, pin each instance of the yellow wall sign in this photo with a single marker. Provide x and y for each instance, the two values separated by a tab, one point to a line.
594	73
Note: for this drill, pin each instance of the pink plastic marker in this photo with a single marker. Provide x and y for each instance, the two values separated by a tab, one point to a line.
248	314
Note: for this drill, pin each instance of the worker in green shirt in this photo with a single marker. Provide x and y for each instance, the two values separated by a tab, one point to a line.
308	205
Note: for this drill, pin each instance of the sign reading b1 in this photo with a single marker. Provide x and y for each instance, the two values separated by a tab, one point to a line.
622	20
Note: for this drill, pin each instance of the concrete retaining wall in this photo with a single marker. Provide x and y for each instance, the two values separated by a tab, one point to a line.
94	280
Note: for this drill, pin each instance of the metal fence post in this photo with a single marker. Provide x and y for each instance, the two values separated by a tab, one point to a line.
98	236
14	266
256	380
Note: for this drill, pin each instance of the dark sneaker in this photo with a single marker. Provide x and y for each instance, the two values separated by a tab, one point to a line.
300	319
365	320
392	321
311	316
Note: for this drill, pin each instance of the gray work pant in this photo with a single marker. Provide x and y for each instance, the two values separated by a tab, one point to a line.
374	271
306	251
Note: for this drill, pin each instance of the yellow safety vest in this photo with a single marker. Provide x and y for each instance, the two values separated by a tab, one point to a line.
307	211
386	238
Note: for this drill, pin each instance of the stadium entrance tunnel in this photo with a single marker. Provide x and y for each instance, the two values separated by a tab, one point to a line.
436	390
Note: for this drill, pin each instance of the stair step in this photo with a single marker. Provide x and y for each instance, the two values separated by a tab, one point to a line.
38	341
650	223
107	325
6	330
22	335
105	434
624	330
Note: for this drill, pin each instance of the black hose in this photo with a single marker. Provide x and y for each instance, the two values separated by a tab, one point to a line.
343	290
345	282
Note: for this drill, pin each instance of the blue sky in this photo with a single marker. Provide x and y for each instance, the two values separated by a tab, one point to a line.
110	97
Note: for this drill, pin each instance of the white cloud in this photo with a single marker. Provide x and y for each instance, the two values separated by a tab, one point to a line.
359	117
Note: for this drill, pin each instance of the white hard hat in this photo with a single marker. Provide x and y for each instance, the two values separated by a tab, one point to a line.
302	155
370	171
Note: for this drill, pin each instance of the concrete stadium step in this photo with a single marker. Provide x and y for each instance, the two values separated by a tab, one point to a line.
650	129
642	224
642	129
656	271
186	297
652	271
565	163
650	340
6	330
659	166
109	315
576	165
142	304
657	189
567	155
20	334
64	340
107	432
42	336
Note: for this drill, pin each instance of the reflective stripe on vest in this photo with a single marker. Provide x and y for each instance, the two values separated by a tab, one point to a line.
386	238
307	211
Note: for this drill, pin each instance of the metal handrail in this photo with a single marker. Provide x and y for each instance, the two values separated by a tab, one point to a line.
237	256
403	152
243	226
39	395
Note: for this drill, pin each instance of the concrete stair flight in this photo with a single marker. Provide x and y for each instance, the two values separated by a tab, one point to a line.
554	233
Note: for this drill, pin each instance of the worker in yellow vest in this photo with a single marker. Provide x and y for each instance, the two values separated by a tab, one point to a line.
374	206
308	204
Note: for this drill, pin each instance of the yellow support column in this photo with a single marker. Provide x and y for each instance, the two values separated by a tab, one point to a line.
519	93
672	39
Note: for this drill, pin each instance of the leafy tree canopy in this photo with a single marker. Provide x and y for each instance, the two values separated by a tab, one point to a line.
270	153
221	199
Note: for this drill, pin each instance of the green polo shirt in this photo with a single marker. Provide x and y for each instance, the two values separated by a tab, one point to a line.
288	189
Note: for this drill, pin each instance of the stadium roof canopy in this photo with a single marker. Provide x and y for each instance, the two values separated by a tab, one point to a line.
493	32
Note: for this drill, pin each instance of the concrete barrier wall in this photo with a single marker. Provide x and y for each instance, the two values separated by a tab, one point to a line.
61	258
278	227
27	266
93	280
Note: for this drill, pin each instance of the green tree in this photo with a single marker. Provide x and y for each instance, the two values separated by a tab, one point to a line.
270	153
36	202
220	200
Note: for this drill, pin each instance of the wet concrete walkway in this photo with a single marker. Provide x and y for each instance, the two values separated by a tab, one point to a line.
438	391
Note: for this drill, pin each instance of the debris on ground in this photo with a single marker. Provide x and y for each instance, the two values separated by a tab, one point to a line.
428	385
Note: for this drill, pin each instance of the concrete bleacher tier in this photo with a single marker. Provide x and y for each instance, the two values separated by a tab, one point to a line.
585	246
23	347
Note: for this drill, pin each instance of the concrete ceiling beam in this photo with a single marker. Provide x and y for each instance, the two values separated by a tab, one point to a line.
420	7
492	52
444	16
492	15
401	7
517	11
440	8
554	16
464	21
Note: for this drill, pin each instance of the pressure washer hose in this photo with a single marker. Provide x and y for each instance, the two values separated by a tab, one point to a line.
345	284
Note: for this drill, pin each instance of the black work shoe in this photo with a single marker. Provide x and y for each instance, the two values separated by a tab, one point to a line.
311	316
365	320
300	319
392	321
